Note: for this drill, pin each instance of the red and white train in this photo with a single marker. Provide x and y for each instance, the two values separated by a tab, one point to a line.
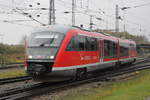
59	52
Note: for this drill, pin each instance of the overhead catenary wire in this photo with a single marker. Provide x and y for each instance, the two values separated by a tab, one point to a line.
12	22
87	11
141	5
133	14
23	13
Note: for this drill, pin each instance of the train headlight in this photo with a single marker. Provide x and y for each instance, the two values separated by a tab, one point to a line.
30	57
25	68
51	57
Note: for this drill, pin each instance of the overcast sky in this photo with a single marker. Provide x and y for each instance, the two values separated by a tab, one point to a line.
136	19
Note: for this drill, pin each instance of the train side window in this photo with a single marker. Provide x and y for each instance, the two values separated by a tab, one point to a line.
106	49
133	47
81	42
121	51
91	44
94	44
124	50
115	49
110	49
87	44
73	44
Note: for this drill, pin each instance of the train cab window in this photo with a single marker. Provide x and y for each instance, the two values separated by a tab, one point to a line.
45	39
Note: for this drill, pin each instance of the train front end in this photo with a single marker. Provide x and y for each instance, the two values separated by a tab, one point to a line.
41	51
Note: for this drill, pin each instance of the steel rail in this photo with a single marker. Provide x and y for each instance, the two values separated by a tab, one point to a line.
11	66
14	79
5	94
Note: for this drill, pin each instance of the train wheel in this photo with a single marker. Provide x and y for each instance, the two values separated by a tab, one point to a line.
130	63
81	73
118	65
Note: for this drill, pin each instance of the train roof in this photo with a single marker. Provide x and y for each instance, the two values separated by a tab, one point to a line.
56	28
113	37
65	28
117	38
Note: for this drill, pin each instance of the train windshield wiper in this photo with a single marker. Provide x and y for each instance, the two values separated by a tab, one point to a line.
48	42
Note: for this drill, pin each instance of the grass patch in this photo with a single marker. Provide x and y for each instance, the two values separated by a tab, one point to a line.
137	88
12	73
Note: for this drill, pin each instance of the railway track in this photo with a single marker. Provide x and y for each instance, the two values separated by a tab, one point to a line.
14	79
141	61
41	88
8	66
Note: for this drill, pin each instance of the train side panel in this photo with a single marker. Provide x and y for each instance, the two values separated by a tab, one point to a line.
76	58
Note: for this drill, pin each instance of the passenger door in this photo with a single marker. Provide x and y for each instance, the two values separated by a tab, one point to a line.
101	46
